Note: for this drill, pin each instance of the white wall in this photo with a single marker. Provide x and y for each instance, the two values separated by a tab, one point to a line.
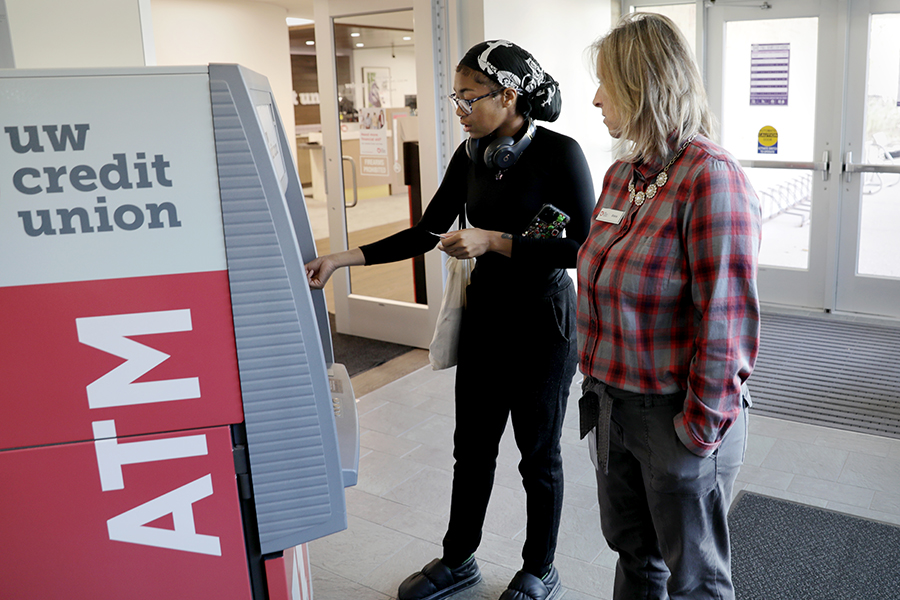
402	63
116	33
557	34
75	33
253	34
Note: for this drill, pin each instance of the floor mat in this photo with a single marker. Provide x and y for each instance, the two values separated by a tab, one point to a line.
783	550
830	373
359	354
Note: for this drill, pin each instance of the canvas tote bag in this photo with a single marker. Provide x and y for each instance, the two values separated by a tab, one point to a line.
443	351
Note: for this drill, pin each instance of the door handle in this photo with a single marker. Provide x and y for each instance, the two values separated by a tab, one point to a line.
823	166
353	171
850	167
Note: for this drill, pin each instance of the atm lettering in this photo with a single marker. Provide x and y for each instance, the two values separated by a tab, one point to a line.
60	137
118	388
117	457
132	525
113	454
120	174
127	217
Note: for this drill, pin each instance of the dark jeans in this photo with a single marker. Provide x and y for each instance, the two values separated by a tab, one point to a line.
517	358
663	508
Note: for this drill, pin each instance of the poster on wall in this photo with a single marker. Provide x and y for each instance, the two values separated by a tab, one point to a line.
375	82
373	144
769	74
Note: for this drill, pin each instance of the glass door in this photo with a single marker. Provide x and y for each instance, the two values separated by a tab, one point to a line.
770	69
869	257
818	130
377	83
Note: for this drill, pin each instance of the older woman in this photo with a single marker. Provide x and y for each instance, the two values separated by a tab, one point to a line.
668	320
517	352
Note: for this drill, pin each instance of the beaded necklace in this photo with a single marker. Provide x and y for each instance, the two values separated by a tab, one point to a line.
637	198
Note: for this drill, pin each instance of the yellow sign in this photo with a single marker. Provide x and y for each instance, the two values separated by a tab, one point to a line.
768	140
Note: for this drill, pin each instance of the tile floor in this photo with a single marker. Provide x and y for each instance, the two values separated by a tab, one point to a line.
398	512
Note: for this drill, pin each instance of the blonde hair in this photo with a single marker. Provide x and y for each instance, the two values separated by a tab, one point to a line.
651	78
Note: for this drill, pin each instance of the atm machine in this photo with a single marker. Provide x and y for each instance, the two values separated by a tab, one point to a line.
172	423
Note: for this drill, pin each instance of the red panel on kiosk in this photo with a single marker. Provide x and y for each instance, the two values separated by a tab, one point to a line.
48	362
277	579
171	499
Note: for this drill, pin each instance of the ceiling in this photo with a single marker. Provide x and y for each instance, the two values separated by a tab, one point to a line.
301	9
372	31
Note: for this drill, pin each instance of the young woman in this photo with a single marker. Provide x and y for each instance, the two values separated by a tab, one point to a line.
668	320
517	352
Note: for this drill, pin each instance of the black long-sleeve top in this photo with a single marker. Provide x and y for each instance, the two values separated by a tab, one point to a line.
551	170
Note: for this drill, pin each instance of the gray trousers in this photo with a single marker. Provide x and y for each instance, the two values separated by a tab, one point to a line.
664	509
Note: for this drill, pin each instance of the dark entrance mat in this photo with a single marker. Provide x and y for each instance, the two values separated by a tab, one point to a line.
783	550
830	373
359	354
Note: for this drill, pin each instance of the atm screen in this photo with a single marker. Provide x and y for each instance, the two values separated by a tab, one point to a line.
266	115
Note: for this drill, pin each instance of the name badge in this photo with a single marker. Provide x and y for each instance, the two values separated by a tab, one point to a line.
610	215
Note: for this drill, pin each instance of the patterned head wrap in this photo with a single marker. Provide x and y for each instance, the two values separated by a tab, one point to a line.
512	66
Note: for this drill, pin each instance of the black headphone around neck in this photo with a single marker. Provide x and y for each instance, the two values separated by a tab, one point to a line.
503	152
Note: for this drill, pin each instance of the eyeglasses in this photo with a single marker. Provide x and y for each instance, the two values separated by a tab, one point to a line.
466	105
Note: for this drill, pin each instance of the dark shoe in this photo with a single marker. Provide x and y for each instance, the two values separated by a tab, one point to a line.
525	586
436	580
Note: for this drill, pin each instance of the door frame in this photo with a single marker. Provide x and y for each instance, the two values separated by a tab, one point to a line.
377	318
859	293
814	287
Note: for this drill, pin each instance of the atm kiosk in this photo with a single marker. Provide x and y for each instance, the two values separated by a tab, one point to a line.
172	422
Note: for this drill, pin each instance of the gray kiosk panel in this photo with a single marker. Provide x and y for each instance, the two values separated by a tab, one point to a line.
292	439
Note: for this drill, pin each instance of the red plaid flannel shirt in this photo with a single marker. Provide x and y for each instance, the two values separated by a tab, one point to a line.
667	297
